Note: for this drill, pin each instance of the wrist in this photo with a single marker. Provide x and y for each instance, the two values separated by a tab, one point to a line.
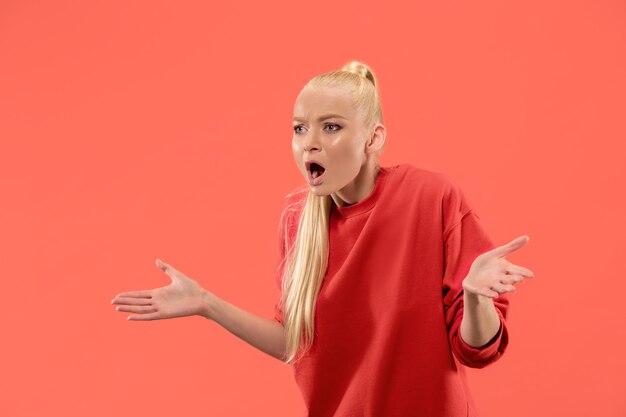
209	304
471	297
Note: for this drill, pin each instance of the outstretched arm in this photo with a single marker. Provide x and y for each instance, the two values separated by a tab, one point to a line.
185	297
490	275
267	335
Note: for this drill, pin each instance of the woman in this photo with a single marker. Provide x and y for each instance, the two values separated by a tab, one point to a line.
390	286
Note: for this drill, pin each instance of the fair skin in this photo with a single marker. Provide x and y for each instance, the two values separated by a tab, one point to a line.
349	151
489	276
185	297
342	144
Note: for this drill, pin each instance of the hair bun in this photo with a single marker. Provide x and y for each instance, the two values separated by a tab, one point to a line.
360	68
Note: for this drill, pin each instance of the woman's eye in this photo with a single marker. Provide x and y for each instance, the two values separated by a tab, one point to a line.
335	127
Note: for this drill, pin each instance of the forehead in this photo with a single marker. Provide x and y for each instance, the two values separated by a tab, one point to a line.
315	101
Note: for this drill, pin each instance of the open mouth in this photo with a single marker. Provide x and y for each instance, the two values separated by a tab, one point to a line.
316	169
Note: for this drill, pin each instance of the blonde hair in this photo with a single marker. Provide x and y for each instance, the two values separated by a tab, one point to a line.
306	259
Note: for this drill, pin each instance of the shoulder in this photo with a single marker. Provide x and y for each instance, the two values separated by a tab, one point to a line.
434	183
434	190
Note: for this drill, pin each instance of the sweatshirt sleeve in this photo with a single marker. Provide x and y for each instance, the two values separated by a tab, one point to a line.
464	240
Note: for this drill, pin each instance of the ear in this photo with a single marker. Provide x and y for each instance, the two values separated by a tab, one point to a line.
377	138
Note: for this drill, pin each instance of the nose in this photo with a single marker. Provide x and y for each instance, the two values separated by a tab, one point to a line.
311	142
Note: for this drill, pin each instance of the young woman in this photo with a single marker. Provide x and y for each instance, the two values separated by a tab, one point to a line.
390	286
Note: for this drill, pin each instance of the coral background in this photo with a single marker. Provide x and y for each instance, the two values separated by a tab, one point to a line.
131	131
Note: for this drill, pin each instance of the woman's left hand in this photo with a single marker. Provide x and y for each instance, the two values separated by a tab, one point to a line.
491	274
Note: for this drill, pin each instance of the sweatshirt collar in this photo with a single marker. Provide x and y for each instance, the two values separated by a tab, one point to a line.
368	202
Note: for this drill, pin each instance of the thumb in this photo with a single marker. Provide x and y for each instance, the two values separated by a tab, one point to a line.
162	265
172	272
510	247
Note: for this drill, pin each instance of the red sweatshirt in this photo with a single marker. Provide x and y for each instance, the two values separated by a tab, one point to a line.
387	320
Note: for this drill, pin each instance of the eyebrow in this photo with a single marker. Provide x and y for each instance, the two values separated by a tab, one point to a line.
323	117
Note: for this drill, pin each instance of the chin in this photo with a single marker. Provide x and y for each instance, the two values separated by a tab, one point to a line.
317	190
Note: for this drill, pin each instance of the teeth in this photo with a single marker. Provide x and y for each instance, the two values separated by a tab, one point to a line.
314	174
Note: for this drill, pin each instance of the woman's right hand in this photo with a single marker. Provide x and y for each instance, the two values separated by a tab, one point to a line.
182	297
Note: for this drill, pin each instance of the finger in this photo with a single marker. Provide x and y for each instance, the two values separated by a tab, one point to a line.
502	288
143	317
137	309
138	294
490	293
132	301
513	245
512	278
516	269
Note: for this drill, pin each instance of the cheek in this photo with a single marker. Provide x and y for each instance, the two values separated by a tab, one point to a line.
295	150
349	153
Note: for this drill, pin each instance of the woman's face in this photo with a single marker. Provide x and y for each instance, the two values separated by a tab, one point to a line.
327	128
